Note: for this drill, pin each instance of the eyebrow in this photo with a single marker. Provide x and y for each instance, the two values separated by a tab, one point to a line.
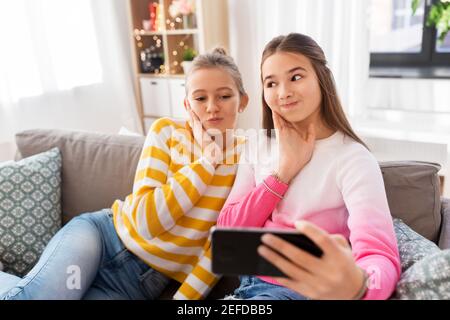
290	71
218	89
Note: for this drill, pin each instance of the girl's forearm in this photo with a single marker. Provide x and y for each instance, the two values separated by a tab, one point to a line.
255	208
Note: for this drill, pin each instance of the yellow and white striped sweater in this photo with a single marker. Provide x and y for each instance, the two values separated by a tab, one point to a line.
177	197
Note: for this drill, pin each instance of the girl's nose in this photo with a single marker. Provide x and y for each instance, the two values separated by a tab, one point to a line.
212	107
284	92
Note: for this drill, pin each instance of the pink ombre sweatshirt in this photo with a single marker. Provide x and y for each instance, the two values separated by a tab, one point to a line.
340	190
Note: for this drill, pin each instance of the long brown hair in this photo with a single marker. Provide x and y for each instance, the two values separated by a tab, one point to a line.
331	108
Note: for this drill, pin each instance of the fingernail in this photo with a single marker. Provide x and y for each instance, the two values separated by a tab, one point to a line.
266	238
261	250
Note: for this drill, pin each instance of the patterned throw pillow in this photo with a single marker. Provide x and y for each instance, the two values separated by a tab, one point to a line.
411	245
428	279
30	209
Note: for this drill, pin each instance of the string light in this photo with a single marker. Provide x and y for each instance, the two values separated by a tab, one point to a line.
174	66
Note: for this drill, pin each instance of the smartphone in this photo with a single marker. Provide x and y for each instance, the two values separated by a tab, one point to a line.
234	250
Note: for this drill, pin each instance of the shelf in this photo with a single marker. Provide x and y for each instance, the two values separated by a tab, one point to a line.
153	75
138	32
182	31
162	94
165	32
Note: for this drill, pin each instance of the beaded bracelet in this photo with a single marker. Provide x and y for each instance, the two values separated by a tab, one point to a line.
277	177
362	291
272	191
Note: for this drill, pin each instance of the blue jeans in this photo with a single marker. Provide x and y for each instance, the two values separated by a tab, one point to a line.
86	260
253	288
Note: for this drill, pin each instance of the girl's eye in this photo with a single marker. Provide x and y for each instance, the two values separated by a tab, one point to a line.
296	77
226	97
200	99
270	84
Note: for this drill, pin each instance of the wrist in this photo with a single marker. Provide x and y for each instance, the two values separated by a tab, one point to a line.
362	285
213	162
213	156
281	176
208	161
275	186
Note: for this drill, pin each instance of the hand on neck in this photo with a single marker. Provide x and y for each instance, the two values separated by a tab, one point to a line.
322	130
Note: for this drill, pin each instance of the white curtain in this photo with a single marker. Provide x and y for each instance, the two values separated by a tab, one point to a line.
65	64
339	27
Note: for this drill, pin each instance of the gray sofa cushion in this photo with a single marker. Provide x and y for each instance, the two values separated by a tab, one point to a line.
413	193
428	279
96	169
411	245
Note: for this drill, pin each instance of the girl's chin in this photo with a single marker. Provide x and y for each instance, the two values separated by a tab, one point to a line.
292	117
215	129
221	126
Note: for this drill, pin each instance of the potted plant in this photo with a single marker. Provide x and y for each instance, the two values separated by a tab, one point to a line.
438	17
188	56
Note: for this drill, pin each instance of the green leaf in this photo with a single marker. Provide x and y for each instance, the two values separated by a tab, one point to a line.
443	25
189	54
414	6
438	17
435	14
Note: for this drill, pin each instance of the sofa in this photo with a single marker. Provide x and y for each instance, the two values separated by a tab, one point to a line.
99	168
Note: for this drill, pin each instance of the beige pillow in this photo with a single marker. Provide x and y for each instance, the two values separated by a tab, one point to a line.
96	169
413	193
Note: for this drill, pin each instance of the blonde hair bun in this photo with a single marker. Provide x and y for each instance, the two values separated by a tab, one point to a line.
220	50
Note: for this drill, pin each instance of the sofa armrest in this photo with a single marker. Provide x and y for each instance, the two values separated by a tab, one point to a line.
444	239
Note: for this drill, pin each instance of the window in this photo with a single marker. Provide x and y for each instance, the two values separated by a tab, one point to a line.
445	46
400	39
46	46
394	29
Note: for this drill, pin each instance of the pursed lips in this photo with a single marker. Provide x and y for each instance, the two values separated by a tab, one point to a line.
289	105
215	119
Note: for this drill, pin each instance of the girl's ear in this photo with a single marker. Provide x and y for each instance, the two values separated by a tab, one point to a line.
187	106
244	102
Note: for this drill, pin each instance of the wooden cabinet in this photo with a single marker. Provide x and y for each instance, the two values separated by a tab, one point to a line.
159	41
